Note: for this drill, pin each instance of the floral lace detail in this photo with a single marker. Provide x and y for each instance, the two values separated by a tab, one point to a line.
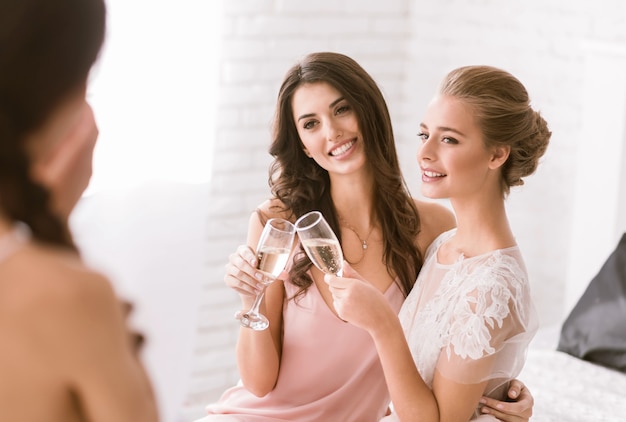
488	288
477	307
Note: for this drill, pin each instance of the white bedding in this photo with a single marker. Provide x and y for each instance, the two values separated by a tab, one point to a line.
568	389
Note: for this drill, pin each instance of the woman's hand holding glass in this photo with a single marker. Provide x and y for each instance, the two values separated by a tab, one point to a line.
241	273
357	301
272	253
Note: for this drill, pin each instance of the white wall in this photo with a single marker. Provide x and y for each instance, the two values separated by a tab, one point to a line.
599	210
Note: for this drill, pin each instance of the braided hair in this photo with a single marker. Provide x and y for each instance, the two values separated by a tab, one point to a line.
47	49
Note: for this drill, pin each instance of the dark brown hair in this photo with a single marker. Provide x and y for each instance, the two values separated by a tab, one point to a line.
501	106
47	49
302	185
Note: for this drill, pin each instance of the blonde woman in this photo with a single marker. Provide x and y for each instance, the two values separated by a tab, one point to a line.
463	331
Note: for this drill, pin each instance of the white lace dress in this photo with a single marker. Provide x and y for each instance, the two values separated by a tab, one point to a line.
472	320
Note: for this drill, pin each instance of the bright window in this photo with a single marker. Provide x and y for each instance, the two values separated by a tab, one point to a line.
153	93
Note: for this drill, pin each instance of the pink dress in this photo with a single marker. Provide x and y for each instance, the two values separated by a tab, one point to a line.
330	370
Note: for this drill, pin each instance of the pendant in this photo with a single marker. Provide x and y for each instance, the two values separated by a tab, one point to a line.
364	244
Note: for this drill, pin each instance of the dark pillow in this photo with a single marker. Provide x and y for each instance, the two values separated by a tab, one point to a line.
595	330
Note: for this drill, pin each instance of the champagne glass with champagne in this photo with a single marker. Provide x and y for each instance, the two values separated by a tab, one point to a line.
272	252
320	243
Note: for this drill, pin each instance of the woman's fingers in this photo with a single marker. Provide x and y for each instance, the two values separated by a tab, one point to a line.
241	273
517	411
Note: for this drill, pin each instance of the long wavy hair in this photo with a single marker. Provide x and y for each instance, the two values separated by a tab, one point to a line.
301	185
47	49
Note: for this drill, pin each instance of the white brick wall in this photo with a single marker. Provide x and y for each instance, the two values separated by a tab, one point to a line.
407	46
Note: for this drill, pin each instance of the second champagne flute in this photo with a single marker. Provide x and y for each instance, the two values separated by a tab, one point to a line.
272	253
320	243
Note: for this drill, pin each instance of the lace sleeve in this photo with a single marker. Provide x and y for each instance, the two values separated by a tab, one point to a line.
491	324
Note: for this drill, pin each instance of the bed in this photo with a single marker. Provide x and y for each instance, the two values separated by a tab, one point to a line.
568	389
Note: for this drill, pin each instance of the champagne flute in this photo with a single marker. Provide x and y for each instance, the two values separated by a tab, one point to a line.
320	243
272	251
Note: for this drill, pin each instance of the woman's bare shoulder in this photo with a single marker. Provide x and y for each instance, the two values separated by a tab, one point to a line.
68	316
274	208
435	219
50	281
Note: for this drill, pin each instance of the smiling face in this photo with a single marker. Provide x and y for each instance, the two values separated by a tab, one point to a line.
328	128
454	160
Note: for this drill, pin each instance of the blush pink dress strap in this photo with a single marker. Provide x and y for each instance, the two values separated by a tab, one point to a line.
330	370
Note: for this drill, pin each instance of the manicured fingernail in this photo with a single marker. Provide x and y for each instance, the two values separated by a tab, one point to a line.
513	394
484	409
483	400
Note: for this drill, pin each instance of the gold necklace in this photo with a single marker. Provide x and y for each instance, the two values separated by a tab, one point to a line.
363	241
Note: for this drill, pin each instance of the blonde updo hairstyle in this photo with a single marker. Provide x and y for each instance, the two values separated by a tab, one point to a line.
501	107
